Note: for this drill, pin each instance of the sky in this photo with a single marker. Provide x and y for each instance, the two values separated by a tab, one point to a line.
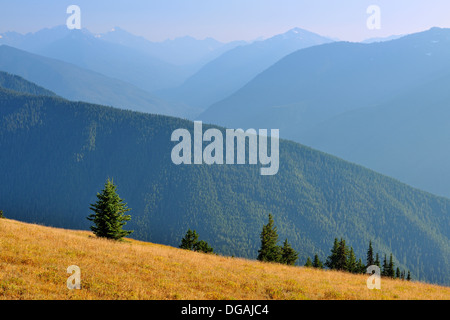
228	20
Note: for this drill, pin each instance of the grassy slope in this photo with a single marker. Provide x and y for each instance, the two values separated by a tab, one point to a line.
34	259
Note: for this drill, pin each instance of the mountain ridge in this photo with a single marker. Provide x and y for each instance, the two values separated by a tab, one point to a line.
307	89
75	83
233	69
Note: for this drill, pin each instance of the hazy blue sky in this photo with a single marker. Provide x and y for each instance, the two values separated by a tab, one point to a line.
228	20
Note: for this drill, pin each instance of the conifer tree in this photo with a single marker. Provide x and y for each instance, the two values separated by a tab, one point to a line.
203	246
391	270
409	276
269	250
308	263
288	254
191	242
397	274
351	265
190	239
108	216
360	266
332	259
370	260
317	263
384	271
377	261
342	256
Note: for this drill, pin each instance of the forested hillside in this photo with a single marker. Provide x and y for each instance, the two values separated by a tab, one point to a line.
60	153
16	83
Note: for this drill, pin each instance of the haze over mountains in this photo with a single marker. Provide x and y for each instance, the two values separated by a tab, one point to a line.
148	65
179	51
308	94
75	83
229	72
63	152
161	67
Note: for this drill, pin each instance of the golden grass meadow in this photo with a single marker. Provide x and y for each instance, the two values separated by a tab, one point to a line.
34	261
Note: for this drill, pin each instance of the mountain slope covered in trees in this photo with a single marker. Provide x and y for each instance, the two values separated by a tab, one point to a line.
16	83
59	154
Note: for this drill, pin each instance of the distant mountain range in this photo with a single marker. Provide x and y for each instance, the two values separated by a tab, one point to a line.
382	105
182	51
382	39
59	154
75	83
233	69
82	48
160	67
148	65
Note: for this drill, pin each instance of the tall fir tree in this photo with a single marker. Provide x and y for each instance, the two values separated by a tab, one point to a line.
317	263
391	270
332	259
409	276
385	270
288	255
377	261
269	251
108	216
397	274
370	260
342	256
351	265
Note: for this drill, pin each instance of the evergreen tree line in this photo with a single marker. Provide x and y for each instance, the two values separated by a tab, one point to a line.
342	258
269	252
109	218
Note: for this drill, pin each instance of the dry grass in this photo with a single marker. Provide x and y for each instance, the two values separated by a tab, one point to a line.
34	260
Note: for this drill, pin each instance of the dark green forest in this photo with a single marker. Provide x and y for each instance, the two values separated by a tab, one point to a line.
56	155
